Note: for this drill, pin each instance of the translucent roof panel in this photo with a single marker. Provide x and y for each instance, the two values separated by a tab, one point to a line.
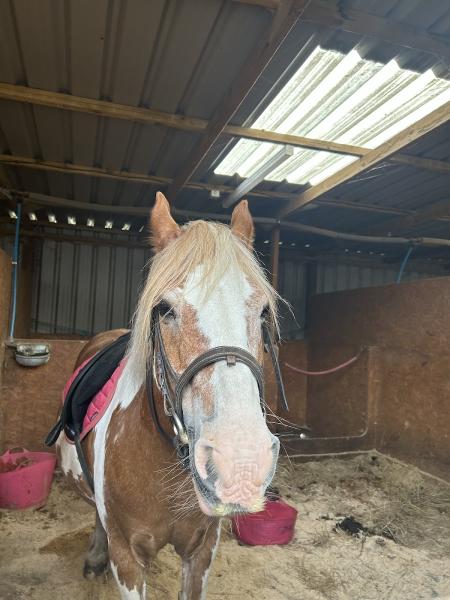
341	98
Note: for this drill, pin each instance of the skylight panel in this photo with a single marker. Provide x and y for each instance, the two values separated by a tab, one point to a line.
340	98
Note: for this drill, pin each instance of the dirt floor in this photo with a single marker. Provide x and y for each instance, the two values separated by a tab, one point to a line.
403	554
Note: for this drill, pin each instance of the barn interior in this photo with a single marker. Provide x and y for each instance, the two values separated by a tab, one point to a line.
331	117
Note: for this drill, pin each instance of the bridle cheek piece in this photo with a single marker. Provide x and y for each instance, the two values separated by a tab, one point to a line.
172	385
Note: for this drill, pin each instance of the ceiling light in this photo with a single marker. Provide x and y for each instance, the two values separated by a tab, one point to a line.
109	225
32	216
12	214
52	218
71	220
266	241
126	227
90	222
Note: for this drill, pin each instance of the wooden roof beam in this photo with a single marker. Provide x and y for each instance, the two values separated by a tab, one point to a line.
434	212
142	178
73	169
285	18
147	116
395	144
312	230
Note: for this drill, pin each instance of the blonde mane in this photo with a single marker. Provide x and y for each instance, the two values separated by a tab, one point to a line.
209	244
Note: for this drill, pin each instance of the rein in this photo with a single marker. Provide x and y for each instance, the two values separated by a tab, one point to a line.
173	385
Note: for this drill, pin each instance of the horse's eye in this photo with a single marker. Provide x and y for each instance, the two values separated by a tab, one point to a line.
166	311
265	313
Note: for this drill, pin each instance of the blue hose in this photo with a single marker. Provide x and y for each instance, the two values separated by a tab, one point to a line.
15	271
404	263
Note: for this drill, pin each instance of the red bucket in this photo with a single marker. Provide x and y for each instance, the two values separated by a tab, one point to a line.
275	525
25	478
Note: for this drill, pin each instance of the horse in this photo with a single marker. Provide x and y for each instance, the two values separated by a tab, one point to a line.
193	364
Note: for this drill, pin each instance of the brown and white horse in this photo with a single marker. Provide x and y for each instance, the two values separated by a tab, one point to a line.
214	294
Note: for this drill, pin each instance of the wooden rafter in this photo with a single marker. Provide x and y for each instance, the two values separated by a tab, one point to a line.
42	199
147	116
142	178
434	212
396	143
284	19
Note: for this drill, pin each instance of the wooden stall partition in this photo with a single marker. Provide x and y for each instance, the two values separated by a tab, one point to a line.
403	375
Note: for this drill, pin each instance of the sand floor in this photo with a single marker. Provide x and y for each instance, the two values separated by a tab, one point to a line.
41	552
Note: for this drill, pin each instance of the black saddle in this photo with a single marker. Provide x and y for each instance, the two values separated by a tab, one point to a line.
90	380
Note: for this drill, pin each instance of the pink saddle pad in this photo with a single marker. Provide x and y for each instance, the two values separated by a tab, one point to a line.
100	401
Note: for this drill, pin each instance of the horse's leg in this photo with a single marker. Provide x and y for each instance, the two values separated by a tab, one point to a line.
96	561
128	572
196	566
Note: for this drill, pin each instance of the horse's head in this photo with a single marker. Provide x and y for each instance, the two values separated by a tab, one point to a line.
210	292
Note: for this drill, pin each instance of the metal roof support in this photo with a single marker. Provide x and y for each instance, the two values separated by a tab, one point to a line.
251	182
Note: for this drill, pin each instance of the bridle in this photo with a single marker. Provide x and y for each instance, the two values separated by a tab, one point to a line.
172	385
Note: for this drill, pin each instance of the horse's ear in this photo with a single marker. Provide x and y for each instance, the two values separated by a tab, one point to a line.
242	223
163	228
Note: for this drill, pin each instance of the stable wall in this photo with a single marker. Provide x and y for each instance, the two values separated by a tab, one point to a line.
401	383
31	396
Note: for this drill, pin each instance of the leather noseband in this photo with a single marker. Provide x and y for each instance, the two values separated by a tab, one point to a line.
173	385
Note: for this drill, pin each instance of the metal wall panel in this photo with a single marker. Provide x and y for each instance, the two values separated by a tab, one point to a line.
337	277
81	289
292	284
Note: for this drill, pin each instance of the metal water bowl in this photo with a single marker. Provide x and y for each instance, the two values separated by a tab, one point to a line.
32	355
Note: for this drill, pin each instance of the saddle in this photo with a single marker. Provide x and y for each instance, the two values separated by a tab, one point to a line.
90	379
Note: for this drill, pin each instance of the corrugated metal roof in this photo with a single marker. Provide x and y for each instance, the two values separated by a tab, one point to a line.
181	57
342	98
